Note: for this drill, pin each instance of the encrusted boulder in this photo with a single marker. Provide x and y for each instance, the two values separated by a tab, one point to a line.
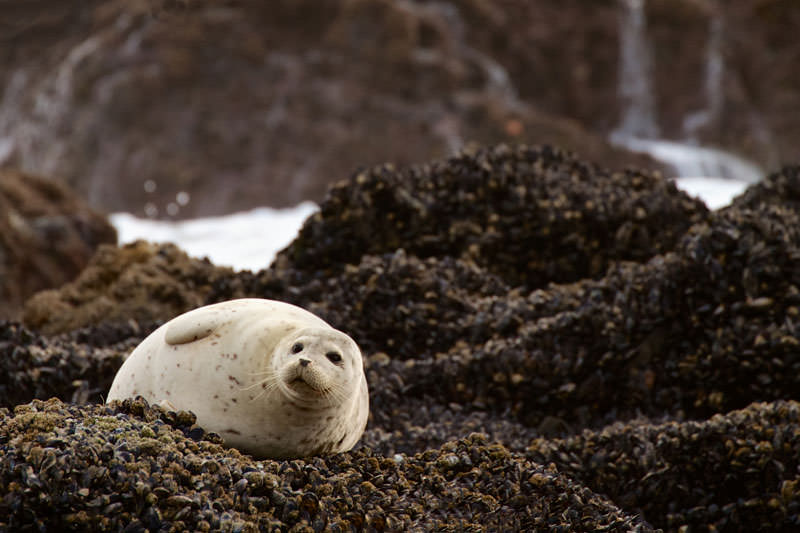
47	236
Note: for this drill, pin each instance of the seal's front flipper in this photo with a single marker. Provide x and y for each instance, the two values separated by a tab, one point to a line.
195	325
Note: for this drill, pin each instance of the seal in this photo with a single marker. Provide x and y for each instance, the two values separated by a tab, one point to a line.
271	378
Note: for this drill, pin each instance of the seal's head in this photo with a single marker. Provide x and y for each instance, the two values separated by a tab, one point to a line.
318	367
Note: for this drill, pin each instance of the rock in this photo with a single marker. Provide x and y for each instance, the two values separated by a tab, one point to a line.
698	331
744	476
141	463
526	216
722	72
655	367
47	235
298	95
530	215
139	281
79	370
760	87
781	188
302	93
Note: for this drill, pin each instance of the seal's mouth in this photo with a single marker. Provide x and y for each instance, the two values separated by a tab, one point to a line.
302	385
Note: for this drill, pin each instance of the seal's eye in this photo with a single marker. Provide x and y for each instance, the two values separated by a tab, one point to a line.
297	348
334	357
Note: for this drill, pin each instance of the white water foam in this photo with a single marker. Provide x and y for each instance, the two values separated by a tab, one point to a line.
249	240
690	160
245	241
715	192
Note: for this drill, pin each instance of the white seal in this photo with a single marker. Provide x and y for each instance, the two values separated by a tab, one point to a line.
271	378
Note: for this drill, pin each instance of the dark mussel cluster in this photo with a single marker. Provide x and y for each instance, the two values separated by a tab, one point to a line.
548	345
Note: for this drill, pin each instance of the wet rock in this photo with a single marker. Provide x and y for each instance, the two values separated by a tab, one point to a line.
781	188
38	367
704	329
139	281
525	215
657	371
137	461
530	215
47	235
737	470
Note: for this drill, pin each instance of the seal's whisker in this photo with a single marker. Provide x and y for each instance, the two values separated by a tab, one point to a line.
269	384
337	394
268	376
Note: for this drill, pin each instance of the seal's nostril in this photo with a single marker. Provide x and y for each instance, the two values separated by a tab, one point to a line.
304	362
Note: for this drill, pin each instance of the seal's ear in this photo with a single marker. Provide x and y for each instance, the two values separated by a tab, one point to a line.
194	325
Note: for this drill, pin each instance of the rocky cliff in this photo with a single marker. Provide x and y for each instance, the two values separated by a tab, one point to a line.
198	107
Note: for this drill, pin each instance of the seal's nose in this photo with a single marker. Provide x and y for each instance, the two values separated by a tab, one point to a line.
304	362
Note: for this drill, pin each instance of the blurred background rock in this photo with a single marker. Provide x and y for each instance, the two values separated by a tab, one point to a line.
175	109
47	236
